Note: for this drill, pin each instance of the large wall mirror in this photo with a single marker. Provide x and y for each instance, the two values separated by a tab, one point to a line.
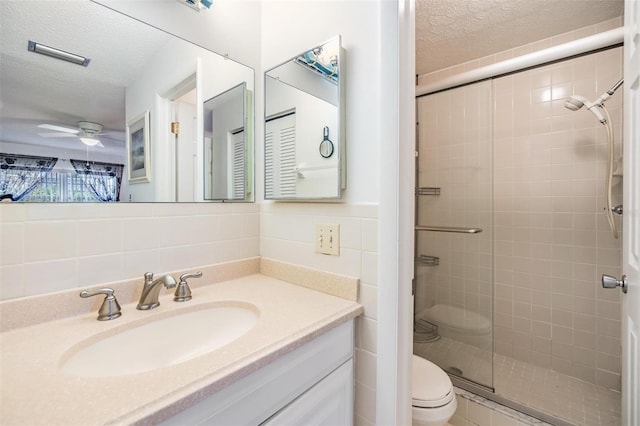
97	106
304	126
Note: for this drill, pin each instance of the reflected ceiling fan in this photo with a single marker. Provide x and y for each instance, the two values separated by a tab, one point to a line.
86	131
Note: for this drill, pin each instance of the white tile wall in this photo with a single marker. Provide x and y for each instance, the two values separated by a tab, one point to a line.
287	235
551	250
46	248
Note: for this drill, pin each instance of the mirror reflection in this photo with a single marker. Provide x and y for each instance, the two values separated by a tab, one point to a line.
304	143
225	146
88	115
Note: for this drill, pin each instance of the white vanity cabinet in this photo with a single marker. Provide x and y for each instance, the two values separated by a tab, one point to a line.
328	403
312	385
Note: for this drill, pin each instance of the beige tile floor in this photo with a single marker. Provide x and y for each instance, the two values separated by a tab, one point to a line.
557	394
542	389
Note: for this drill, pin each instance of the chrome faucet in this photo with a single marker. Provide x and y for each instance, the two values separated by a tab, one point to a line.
183	292
110	308
151	290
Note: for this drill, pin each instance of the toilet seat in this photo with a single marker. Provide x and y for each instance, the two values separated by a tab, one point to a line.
432	387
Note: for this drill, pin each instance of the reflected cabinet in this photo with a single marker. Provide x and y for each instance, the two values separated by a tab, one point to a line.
304	125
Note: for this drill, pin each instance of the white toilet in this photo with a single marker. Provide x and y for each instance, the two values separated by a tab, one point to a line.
433	399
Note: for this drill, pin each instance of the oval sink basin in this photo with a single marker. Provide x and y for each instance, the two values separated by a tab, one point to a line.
163	342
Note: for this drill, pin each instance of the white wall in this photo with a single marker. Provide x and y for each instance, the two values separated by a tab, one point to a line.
368	212
287	228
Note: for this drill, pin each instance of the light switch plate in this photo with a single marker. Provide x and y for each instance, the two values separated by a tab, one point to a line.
327	239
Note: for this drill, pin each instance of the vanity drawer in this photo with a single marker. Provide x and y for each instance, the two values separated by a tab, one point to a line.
328	403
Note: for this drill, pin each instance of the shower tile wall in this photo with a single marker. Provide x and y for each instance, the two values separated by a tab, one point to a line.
552	240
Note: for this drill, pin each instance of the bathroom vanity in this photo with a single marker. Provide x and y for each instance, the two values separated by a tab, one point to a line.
312	385
294	363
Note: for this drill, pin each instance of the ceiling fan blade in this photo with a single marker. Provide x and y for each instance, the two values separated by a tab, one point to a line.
59	128
57	135
111	140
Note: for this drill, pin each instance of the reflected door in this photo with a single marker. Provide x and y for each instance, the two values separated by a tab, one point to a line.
280	155
185	152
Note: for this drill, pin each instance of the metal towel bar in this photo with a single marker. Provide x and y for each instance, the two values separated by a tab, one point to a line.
448	229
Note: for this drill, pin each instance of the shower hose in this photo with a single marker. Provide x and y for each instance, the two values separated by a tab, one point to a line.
608	204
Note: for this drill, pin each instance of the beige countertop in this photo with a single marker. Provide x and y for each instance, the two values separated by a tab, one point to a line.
34	390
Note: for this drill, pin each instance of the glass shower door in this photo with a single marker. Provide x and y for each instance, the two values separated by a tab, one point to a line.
453	304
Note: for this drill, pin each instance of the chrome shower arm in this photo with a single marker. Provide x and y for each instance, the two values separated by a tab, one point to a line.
615	86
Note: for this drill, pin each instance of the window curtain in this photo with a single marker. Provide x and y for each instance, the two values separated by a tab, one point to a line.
21	174
99	178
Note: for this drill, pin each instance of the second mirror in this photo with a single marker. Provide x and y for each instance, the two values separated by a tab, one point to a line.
304	136
226	147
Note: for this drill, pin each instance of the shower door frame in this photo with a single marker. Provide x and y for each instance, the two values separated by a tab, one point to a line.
588	45
486	226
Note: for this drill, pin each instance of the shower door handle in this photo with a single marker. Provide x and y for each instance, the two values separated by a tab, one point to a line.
612	282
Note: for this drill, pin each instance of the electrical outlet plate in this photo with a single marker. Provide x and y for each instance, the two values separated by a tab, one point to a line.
327	239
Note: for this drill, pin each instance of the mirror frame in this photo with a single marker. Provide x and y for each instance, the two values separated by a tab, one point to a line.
339	145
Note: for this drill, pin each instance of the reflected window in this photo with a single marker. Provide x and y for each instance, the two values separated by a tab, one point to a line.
26	178
63	186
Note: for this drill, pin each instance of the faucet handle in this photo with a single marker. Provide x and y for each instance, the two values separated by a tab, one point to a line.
183	292
148	277
110	308
184	277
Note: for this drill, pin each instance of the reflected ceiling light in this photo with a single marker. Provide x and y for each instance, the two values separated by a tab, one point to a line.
197	4
90	141
322	59
57	53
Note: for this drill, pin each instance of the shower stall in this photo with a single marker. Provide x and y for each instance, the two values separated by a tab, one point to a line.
512	237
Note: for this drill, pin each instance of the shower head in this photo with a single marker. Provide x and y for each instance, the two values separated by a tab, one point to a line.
576	102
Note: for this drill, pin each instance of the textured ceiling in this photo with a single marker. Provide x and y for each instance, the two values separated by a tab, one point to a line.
37	89
450	32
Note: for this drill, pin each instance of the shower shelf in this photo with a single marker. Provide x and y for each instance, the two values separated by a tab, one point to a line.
427	190
424	331
429	260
